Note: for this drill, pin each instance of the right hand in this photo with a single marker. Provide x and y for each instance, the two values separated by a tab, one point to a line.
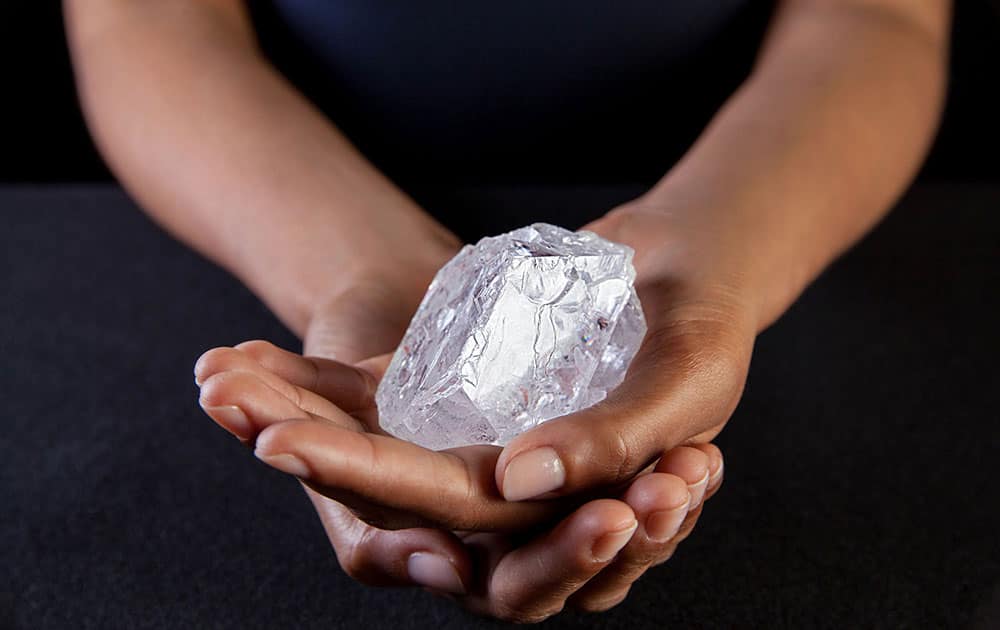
518	580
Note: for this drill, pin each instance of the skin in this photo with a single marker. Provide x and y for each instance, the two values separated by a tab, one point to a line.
802	160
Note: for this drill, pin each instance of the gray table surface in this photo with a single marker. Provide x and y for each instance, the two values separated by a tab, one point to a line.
862	463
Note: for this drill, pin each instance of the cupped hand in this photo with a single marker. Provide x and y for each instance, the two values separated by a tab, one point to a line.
404	515
683	384
548	554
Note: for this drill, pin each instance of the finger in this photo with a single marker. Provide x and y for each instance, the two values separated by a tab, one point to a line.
716	470
532	582
346	386
660	502
244	405
453	489
686	379
431	558
690	521
716	467
220	360
690	464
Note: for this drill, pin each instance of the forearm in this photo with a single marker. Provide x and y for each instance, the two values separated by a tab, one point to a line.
816	146
219	149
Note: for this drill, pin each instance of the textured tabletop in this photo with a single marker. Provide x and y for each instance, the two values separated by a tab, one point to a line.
862	465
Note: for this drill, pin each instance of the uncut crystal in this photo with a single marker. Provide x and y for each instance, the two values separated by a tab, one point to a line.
516	330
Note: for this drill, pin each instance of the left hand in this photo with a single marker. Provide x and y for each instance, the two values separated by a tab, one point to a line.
683	384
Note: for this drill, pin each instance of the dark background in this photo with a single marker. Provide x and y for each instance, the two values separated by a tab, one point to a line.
43	137
862	462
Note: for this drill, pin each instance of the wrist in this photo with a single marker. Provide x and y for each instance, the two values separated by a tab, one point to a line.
395	280
708	262
302	277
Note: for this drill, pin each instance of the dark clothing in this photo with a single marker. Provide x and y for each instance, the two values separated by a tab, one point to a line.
439	93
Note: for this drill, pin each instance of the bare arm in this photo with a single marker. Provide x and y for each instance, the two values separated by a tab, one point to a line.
816	146
809	153
219	149
803	159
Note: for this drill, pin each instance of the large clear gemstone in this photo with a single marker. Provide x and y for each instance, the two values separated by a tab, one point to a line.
515	330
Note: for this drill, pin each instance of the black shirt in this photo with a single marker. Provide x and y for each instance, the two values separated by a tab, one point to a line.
522	91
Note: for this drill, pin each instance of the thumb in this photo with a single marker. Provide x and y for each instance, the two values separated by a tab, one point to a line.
684	382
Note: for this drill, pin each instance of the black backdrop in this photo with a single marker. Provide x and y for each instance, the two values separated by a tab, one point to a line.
121	506
43	139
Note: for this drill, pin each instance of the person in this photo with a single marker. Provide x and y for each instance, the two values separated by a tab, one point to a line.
226	154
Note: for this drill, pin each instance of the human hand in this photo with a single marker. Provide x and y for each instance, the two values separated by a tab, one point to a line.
395	484
686	379
403	495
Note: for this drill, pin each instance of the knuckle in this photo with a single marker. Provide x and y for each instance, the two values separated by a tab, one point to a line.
357	559
622	451
608	454
582	563
354	565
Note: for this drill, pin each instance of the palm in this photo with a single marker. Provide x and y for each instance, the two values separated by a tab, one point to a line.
364	327
422	497
363	322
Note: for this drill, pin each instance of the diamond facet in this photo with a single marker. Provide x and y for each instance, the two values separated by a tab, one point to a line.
513	331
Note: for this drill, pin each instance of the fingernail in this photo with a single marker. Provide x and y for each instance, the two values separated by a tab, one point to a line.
232	419
714	479
533	473
285	462
197	370
608	545
697	491
434	571
663	525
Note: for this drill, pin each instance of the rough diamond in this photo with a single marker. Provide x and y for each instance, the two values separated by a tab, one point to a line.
513	331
